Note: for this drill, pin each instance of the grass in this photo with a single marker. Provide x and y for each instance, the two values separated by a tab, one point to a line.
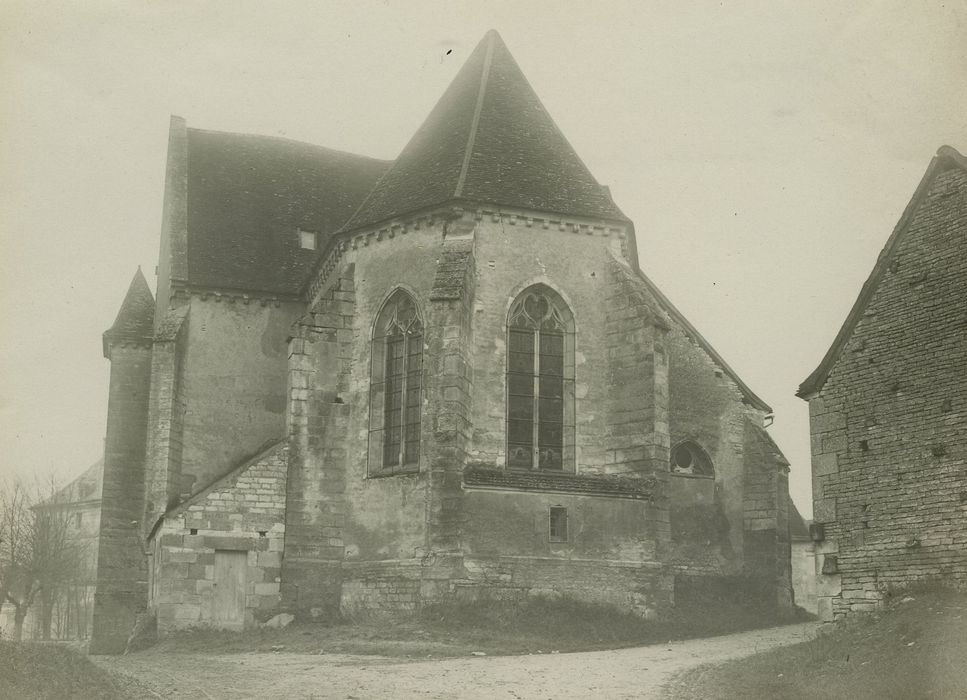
915	648
526	626
52	672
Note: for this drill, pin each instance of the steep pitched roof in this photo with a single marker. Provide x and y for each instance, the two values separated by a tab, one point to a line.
761	446
86	487
665	303
135	319
490	140
946	159
248	196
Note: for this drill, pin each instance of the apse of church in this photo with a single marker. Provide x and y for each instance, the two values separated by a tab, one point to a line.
444	376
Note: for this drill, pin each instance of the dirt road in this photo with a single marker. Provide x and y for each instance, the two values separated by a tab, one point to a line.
625	673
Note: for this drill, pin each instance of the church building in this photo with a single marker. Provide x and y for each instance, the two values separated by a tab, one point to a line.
372	385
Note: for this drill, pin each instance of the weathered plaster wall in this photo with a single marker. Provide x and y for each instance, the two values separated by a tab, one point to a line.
804	574
233	382
243	512
336	511
509	258
510	523
705	406
889	427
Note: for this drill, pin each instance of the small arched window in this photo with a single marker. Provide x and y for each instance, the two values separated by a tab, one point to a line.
689	458
540	381
396	388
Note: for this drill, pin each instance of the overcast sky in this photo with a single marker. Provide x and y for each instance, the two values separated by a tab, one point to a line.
764	151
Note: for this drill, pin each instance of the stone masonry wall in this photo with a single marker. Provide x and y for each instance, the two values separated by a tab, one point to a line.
317	419
121	564
889	427
512	253
243	512
637	362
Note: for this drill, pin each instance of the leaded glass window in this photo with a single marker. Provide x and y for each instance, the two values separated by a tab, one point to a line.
540	382
396	387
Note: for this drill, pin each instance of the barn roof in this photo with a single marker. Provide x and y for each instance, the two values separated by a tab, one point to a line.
489	140
946	159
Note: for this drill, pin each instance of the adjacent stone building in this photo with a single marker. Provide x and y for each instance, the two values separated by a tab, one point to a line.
373	385
888	411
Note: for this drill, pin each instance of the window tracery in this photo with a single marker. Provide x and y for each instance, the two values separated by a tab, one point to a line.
540	381
396	386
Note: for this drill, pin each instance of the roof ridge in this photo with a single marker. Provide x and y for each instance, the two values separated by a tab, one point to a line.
475	120
288	141
668	307
489	139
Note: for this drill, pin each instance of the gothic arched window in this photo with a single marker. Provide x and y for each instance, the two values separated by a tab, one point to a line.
396	387
540	381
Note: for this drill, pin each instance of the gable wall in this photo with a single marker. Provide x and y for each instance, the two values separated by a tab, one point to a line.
232	383
896	511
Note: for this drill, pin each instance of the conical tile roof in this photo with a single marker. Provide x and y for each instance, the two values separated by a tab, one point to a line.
135	319
489	140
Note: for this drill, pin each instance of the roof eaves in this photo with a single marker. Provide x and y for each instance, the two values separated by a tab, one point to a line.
946	159
670	308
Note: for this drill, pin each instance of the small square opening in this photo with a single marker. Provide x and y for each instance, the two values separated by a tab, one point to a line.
193	531
558	524
307	239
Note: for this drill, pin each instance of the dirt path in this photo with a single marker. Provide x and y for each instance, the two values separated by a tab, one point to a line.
625	673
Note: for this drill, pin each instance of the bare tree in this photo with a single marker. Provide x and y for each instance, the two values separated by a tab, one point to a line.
37	551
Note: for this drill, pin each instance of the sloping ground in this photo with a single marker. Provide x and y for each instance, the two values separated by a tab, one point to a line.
53	672
498	627
624	673
916	648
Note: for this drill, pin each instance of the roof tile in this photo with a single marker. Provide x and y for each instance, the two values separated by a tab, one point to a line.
249	195
489	140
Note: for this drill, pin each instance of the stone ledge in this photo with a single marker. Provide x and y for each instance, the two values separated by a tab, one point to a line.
644	488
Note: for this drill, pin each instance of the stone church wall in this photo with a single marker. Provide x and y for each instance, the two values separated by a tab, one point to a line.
888	429
706	406
245	512
233	375
121	594
336	512
509	258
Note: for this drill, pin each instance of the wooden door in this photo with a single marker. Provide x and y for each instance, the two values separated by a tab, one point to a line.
228	599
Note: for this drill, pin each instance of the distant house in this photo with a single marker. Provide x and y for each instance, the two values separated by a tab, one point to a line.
67	611
803	560
888	411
